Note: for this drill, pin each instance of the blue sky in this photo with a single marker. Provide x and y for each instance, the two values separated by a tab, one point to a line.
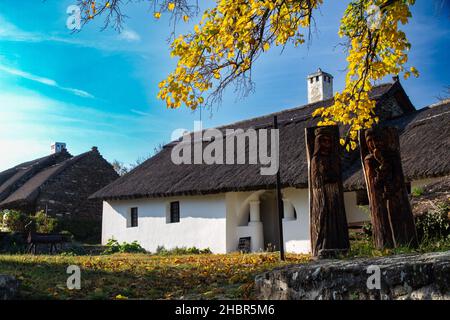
99	88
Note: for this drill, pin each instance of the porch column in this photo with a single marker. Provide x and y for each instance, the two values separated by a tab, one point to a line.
255	215
256	227
289	213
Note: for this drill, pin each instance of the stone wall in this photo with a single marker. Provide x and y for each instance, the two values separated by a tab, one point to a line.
417	277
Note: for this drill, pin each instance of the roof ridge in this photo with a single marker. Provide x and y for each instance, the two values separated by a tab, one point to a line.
294	108
281	122
58	169
439	103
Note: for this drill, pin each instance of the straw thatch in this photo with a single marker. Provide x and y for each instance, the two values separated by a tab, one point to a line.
29	191
159	177
13	178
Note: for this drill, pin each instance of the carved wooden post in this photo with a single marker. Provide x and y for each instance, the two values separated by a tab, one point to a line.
392	218
328	221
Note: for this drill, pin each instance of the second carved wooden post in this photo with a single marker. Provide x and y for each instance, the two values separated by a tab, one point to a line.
328	221
392	218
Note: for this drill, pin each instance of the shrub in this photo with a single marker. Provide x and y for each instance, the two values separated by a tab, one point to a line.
15	221
113	246
68	235
367	230
417	191
161	250
44	223
434	224
12	243
133	247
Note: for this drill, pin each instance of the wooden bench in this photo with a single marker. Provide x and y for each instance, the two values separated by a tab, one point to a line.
52	239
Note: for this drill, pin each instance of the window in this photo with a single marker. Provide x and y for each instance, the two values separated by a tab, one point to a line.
312	80
317	79
133	221
174	212
362	199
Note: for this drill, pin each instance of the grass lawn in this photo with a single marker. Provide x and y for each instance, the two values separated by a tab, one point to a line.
145	276
142	276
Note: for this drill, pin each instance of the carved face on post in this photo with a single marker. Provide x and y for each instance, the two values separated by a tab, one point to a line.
374	141
323	143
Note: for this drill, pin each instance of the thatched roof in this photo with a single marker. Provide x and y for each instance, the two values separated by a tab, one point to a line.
29	191
14	178
424	145
159	177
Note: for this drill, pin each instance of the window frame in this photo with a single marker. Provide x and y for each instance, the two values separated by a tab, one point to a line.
174	211
134	217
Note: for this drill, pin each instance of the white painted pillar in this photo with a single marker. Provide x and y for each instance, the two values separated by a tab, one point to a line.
289	213
255	213
257	234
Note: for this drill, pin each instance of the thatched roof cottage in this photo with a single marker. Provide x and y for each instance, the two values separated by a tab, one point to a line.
60	184
162	203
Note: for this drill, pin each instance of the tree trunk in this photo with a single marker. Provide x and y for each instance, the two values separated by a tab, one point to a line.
392	218
328	221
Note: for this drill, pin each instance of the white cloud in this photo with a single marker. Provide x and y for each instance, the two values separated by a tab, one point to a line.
45	81
129	35
11	32
140	113
102	41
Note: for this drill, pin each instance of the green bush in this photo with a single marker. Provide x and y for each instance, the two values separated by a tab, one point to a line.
44	223
15	221
417	191
434	224
367	230
161	250
113	246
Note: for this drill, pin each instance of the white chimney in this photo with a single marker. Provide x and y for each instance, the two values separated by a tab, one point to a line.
58	147
320	86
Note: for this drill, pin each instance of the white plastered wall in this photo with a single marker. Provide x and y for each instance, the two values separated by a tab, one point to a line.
202	223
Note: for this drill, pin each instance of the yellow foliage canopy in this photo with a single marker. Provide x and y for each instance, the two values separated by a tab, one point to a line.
230	36
223	46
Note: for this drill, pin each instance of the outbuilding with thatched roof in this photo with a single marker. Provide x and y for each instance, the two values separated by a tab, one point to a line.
60	185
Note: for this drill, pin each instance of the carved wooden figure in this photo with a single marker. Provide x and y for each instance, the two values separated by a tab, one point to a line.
392	218
328	221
